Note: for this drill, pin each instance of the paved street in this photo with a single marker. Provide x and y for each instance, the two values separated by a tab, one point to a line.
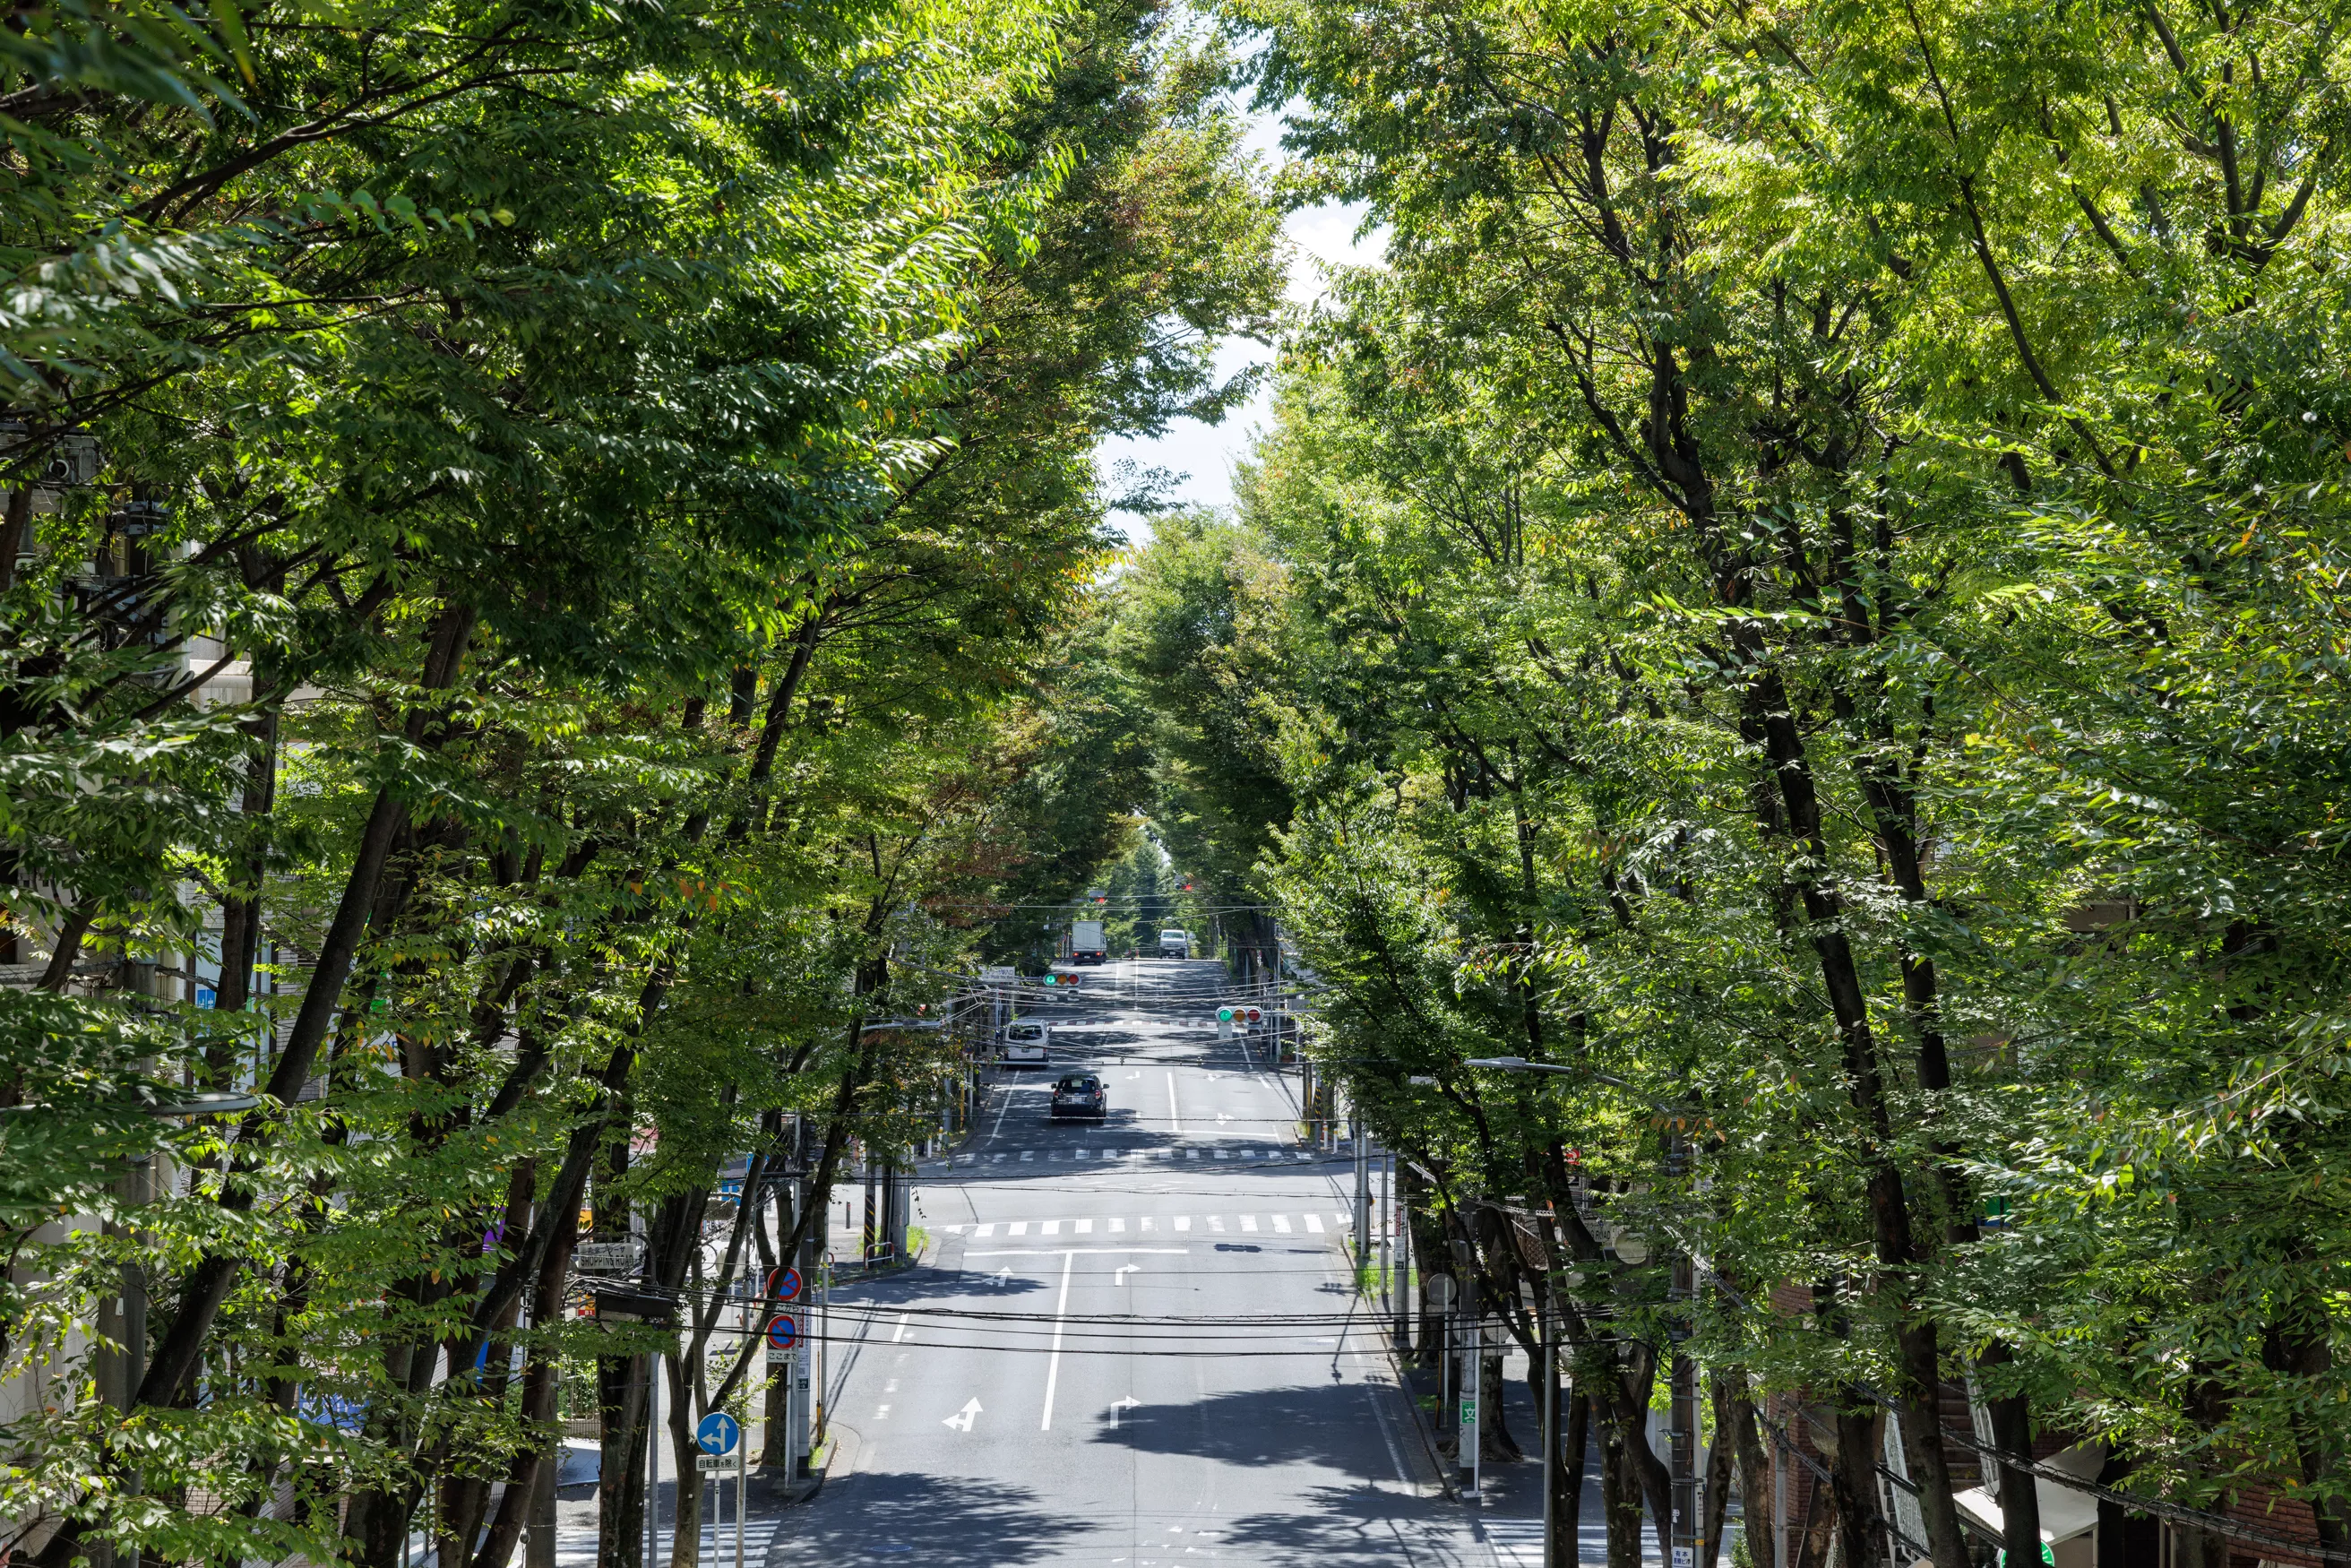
1266	1429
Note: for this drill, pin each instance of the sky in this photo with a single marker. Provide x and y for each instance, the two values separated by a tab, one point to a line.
1202	455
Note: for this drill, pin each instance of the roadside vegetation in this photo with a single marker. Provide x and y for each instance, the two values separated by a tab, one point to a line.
543	594
1810	589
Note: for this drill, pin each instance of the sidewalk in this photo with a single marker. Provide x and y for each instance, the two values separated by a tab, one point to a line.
1508	1516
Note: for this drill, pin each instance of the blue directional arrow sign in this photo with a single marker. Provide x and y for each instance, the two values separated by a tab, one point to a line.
717	1433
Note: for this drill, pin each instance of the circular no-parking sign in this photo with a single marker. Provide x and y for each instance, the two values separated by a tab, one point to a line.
783	1284
783	1333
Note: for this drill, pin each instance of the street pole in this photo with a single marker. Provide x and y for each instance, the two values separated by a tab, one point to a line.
1387	1219
1682	1431
652	1459
1363	1191
1408	1287
1550	1339
1473	1351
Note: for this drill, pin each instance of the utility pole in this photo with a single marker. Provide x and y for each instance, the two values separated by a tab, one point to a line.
1550	1459
1363	1188
1473	1353
1682	1429
1405	1303
1387	1220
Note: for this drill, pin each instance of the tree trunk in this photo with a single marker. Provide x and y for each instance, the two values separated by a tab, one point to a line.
1567	1507
1757	1498
1716	1498
1620	1496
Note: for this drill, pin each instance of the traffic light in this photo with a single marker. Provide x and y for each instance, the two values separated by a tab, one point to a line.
1052	979
1187	884
1256	1016
1223	1015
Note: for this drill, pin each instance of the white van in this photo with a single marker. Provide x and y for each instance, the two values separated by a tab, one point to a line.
1028	1045
1175	942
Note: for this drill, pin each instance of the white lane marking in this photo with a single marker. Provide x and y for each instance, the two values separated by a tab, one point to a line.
1174	1122
1148	1223
882	1413
1028	1154
1116	1226
1216	1222
1248	1222
1080	1154
1341	1221
1073	1253
1082	1226
1221	1154
1053	1359
1281	1223
1018	1227
1183	1222
1191	1153
1048	1227
891	1386
903	1318
962	1419
1314	1223
987	1228
1380	1419
996	1159
1002	1108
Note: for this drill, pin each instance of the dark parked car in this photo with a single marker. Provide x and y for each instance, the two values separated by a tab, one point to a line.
1081	1094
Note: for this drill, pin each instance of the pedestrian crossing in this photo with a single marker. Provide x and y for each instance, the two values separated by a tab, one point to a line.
1129	1154
577	1548
1154	1225
1516	1542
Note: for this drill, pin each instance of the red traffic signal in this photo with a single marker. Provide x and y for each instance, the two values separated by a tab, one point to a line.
1256	1015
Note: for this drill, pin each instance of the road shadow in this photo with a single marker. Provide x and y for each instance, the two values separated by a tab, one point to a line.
894	1516
1354	1527
1330	1424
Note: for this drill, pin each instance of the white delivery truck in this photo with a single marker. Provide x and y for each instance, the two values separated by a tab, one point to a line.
1086	944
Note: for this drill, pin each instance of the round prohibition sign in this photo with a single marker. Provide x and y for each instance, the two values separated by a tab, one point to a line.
783	1284
783	1333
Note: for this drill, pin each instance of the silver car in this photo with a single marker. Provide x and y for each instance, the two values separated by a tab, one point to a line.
1028	1045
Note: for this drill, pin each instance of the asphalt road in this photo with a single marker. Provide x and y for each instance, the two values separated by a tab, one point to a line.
1127	1344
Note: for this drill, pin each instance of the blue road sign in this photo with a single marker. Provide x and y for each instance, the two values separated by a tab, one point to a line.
784	1284
783	1333
717	1433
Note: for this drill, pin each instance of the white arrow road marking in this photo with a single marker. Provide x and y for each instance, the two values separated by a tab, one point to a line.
1002	1277
962	1419
1053	1361
1222	1117
1129	1403
1118	1275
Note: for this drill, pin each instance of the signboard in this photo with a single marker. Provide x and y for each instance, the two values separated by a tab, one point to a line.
717	1433
783	1284
1685	1557
778	1357
783	1333
705	1463
607	1257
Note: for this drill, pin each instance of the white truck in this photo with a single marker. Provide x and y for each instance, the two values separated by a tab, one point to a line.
1175	942
1086	943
